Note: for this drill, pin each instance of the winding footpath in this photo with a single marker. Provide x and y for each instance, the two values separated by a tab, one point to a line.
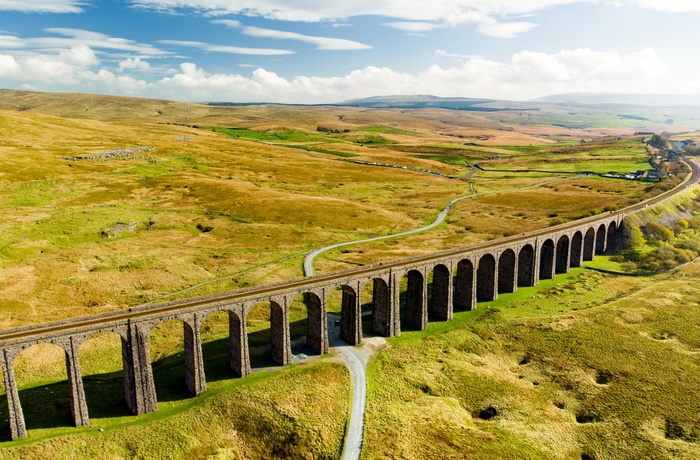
308	261
353	360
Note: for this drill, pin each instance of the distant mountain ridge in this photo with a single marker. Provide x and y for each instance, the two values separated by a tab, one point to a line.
431	102
648	100
490	105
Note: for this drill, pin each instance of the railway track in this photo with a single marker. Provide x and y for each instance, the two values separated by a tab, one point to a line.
303	284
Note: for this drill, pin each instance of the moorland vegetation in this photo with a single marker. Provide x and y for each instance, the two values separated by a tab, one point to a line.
229	197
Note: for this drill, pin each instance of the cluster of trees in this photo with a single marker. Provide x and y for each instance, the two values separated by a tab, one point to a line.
692	149
326	129
660	141
656	247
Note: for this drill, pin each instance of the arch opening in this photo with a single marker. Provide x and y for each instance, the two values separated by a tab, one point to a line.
486	281
576	250
547	260
350	316
562	257
41	376
102	365
166	343
464	286
612	236
268	335
414	311
600	240
507	271
440	289
526	266
376	311
589	245
222	346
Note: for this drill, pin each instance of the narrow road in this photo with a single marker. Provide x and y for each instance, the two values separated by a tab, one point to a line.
358	369
309	260
353	360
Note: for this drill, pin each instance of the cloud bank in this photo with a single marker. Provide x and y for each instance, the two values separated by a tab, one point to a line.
527	75
43	6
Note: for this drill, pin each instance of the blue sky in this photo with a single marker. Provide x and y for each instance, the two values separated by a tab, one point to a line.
315	51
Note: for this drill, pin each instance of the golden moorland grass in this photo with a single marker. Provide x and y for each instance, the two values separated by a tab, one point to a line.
207	212
105	233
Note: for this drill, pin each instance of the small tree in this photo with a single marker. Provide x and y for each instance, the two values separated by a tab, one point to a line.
660	141
658	232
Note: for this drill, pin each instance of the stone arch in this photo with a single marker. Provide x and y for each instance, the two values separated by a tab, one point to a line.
101	356
351	315
562	254
487	278
224	343
415	312
612	233
547	260
507	271
576	249
239	354
600	240
441	293
45	358
166	355
526	266
316	323
464	297
589	244
381	307
266	323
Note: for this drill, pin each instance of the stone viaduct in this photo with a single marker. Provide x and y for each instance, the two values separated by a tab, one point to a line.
460	278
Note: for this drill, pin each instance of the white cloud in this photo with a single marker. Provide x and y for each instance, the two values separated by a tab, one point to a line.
134	64
505	29
10	42
70	38
673	6
8	66
64	70
412	10
493	17
43	6
412	26
456	55
322	43
123	84
527	75
80	55
227	49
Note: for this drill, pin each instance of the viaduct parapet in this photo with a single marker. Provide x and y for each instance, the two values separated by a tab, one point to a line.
460	278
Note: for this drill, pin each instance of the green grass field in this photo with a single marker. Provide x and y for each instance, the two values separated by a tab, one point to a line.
586	364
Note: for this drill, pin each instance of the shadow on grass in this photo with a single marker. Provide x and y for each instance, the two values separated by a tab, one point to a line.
48	406
169	372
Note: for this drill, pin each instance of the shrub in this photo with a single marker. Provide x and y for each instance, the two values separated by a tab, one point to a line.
658	232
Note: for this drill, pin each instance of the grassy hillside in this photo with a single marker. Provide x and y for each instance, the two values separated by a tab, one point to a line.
296	413
108	203
102	214
585	366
